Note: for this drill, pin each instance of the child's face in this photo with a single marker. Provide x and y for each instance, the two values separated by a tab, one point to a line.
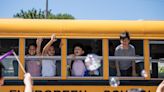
78	51
51	51
32	50
125	42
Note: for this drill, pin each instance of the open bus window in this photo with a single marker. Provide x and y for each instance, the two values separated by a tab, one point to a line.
126	56
157	58
77	50
11	69
43	63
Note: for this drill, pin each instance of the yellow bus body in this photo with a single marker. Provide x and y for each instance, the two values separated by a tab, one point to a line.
66	29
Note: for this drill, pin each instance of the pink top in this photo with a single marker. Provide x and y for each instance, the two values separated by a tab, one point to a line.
78	68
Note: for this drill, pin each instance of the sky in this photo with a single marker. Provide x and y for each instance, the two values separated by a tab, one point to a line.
91	9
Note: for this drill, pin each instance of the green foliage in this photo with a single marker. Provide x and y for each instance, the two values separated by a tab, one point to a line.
34	14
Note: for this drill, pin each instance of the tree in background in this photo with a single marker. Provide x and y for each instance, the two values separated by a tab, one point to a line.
34	14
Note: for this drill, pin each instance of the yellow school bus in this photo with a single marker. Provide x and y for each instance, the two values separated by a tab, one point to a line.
97	36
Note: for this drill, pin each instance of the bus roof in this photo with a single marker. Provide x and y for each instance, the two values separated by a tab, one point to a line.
81	28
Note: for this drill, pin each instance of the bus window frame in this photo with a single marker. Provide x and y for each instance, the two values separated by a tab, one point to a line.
157	42
130	77
13	77
56	56
85	77
64	50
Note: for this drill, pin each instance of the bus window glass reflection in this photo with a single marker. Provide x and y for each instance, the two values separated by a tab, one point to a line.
10	63
157	58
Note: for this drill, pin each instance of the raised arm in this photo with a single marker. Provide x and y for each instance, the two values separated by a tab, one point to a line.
38	43
28	82
45	49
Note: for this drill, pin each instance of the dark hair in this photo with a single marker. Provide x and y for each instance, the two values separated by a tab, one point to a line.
1	67
78	45
32	44
124	35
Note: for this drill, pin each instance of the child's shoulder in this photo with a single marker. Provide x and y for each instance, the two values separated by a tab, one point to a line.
118	47
131	46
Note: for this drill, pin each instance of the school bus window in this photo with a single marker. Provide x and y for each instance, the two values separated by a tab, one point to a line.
157	58
137	57
42	60
78	51
11	69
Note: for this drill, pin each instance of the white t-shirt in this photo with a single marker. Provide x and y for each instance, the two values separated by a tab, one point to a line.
48	68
